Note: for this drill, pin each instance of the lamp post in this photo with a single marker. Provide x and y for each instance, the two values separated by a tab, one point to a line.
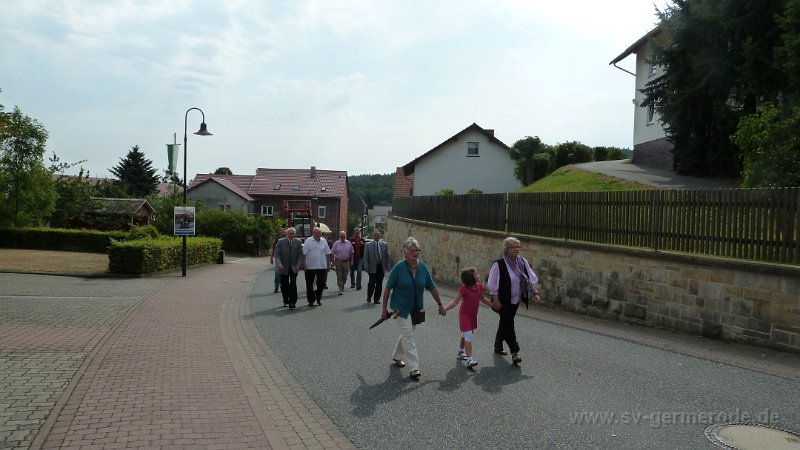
203	131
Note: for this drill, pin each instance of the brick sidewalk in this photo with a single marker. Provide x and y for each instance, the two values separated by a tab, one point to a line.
183	370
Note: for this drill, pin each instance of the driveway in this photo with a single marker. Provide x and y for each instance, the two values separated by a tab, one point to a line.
664	179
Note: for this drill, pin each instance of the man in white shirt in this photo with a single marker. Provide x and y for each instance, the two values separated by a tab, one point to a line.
318	262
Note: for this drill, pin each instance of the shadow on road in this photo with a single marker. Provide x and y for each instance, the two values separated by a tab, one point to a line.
366	397
493	379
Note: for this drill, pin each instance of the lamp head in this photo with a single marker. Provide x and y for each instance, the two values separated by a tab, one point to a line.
203	130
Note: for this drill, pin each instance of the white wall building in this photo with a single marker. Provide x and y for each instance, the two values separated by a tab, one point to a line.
472	159
650	145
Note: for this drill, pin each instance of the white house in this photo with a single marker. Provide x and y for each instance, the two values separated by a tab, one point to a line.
218	191
650	145
378	215
472	159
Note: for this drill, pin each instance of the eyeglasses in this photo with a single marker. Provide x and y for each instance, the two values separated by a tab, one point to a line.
414	250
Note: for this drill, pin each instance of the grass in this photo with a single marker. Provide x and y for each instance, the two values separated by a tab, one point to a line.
46	261
570	179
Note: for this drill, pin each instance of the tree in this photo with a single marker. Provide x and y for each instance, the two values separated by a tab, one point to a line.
136	174
770	145
572	152
27	194
720	64
223	171
527	152
445	191
73	195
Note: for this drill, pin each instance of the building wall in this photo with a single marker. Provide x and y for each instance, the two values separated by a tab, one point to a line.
451	168
650	146
744	301
212	194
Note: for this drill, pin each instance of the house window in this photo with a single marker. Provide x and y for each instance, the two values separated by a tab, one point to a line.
321	210
296	187
653	68
277	187
224	206
267	210
472	149
651	113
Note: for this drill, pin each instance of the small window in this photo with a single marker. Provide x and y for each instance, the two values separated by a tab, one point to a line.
267	210
321	210
224	206
653	68
651	113
277	187
472	149
323	188
296	187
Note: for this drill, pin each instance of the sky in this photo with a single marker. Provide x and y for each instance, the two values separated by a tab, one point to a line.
358	85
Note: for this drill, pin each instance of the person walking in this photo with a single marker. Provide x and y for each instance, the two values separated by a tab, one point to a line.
342	251
377	262
511	280
406	283
358	259
317	263
288	256
272	260
471	292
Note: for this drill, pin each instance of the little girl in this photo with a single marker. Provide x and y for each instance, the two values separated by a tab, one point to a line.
472	294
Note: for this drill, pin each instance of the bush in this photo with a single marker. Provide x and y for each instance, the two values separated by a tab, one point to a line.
233	227
572	153
141	232
151	255
91	241
769	143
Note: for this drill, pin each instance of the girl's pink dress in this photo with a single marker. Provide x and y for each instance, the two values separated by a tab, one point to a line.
470	301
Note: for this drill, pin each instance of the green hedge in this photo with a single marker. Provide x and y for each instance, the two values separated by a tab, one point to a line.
92	241
151	255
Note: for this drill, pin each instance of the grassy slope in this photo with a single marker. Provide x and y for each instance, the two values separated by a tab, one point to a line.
570	179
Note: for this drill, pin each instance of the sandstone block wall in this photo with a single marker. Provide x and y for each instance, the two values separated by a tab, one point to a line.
751	302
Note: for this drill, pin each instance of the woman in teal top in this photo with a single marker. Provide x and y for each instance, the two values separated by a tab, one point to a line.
407	282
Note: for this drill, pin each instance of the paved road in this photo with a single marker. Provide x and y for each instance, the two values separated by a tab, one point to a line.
178	362
345	369
664	179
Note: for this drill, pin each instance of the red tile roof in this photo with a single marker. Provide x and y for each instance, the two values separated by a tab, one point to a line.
286	182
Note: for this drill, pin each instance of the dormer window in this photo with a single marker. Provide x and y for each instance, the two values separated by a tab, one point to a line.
296	187
277	187
472	149
323	188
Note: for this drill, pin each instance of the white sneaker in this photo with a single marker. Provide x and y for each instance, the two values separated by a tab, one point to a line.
462	355
472	363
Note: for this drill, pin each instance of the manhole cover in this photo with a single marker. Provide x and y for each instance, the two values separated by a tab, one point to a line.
749	436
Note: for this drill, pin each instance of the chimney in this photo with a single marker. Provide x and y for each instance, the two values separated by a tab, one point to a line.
491	132
313	172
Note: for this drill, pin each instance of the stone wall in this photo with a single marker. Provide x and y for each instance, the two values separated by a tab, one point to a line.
750	302
657	153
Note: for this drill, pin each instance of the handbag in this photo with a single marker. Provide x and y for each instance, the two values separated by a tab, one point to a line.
418	315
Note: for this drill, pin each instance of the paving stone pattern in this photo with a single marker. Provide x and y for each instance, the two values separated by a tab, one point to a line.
30	385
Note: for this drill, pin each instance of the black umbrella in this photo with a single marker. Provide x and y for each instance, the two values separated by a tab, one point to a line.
390	315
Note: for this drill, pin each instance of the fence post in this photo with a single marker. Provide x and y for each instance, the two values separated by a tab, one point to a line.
655	218
505	220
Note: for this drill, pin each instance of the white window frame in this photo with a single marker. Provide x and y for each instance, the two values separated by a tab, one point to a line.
651	114
322	210
653	68
473	150
225	207
267	210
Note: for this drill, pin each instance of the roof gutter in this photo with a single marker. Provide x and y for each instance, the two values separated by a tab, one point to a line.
624	70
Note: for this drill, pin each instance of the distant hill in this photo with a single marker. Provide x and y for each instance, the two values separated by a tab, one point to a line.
376	190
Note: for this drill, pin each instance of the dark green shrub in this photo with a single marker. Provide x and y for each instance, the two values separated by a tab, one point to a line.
91	241
151	255
141	232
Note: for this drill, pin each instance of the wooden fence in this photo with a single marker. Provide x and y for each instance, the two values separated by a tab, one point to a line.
756	224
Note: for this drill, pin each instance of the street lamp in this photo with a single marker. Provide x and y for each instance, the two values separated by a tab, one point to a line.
203	131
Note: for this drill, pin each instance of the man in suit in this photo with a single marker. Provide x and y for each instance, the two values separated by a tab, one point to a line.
377	263
288	260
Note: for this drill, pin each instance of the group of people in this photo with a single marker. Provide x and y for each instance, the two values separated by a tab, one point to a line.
317	256
511	281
